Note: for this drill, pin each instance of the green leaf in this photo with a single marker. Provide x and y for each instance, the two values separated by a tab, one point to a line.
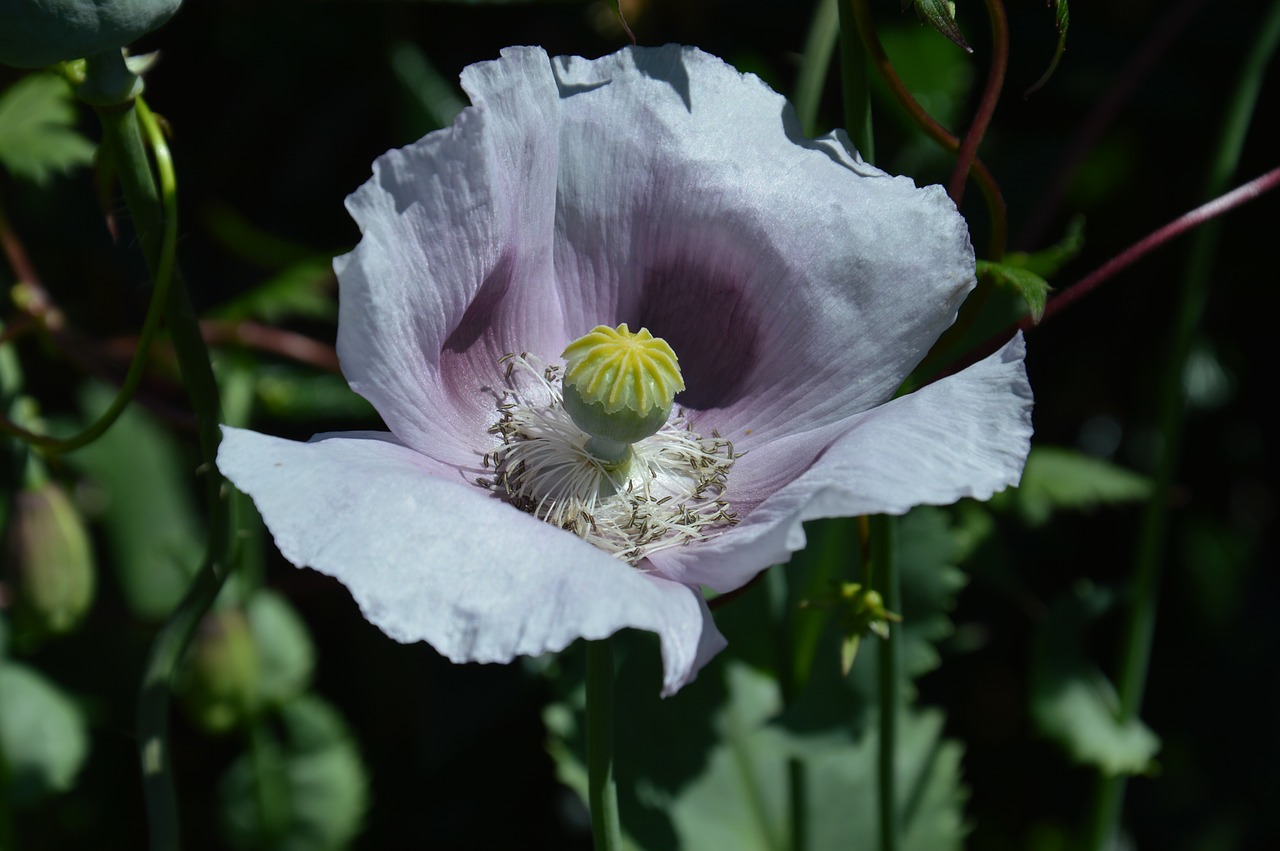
1048	261
928	551
140	486
939	80
941	15
1061	19
1033	289
37	129
286	656
317	777
302	289
433	97
1073	703
43	736
1057	478
288	393
1026	273
728	785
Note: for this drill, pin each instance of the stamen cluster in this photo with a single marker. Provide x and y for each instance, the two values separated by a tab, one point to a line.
670	492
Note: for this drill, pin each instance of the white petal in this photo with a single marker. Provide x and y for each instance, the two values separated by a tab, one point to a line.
442	562
964	436
454	267
797	284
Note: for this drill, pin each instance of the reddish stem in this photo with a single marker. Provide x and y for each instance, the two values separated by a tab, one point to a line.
996	209
265	338
1236	197
987	105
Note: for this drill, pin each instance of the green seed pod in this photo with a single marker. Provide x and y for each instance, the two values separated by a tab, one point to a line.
37	33
221	680
50	561
619	387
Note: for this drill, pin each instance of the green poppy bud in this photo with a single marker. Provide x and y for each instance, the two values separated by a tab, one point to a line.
619	387
220	682
37	33
50	561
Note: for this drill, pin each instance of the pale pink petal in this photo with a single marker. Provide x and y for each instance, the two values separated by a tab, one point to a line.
965	436
437	560
797	284
454	266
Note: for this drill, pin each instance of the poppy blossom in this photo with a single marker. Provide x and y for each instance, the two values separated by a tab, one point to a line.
593	243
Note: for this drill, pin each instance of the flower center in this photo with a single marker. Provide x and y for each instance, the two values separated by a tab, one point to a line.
629	495
619	387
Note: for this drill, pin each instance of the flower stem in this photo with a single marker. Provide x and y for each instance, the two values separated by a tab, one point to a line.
856	82
968	152
602	792
1109	791
122	126
875	52
150	325
888	584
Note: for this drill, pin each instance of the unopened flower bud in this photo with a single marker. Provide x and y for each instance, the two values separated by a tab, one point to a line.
619	387
37	33
50	561
220	684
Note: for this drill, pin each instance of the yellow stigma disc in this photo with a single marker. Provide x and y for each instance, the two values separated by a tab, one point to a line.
617	369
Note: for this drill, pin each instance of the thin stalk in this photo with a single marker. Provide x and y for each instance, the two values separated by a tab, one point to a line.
798	803
888	584
996	210
123	124
968	152
818	46
1242	194
856	81
150	325
602	791
1108	800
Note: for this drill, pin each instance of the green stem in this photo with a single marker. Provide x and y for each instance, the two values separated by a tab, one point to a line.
122	126
798	786
856	81
1108	799
602	792
155	311
882	557
818	46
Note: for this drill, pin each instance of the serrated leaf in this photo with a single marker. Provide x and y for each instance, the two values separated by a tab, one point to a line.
37	129
734	793
140	487
286	656
941	15
1072	702
927	554
1056	478
1061	19
316	776
1033	289
43	737
1048	261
